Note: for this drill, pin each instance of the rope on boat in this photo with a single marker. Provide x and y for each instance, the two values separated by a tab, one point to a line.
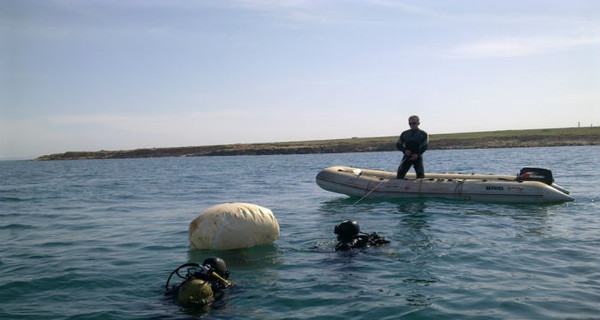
368	193
459	187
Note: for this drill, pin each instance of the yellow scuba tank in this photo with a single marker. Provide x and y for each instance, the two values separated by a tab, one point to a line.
202	284
196	292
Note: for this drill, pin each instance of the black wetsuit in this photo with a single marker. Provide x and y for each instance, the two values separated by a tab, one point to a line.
361	241
415	141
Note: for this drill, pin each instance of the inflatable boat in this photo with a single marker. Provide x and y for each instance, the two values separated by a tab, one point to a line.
531	185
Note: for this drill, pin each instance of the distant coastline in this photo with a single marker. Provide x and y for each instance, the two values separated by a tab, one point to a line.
474	140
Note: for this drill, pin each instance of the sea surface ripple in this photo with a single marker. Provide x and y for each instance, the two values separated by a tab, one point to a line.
96	239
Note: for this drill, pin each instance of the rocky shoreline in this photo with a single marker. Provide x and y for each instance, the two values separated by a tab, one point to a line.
477	140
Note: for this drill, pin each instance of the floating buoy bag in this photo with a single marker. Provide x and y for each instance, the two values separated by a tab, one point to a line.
233	226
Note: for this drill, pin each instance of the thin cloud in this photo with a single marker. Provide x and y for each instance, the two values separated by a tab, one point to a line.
408	8
297	11
512	47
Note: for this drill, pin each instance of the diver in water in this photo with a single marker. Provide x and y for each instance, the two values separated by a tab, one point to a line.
350	237
202	284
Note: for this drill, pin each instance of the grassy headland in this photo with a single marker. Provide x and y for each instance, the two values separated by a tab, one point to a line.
473	140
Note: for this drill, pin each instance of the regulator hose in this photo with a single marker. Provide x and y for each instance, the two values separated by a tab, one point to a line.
190	266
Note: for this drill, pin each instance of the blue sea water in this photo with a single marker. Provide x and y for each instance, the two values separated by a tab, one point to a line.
97	239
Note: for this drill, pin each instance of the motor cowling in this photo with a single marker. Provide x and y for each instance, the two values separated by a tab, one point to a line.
536	174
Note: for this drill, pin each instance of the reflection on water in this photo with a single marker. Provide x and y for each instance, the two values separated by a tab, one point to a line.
413	226
263	256
415	233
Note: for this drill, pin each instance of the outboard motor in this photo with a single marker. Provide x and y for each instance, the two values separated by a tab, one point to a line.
536	174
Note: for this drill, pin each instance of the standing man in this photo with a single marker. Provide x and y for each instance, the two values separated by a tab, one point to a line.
413	144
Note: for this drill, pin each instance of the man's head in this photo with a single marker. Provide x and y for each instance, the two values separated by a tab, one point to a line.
346	230
414	122
217	265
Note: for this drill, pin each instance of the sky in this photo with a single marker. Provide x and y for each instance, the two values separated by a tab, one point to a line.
88	75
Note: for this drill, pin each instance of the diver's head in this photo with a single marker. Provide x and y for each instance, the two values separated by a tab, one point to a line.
218	265
346	230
